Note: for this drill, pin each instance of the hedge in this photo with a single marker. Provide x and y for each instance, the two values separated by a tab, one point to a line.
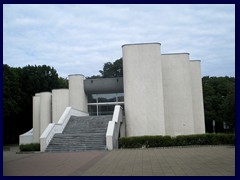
182	140
30	147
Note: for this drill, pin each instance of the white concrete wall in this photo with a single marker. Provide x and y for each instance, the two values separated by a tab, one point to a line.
177	94
45	110
113	129
198	107
77	96
36	118
60	101
143	91
26	138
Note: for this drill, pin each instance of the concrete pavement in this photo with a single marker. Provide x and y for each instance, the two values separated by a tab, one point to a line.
176	161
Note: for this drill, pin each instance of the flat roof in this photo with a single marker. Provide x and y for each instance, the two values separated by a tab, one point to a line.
75	75
175	53
195	60
60	89
140	44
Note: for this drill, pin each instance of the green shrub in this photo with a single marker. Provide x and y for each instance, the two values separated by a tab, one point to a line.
30	147
182	140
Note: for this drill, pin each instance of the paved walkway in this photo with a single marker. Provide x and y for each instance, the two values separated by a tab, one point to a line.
185	161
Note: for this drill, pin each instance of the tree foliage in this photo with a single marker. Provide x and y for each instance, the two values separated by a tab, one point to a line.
111	70
12	101
19	85
219	102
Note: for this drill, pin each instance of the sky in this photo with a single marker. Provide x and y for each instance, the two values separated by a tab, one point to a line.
79	39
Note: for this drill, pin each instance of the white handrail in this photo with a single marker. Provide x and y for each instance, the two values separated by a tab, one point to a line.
114	128
53	128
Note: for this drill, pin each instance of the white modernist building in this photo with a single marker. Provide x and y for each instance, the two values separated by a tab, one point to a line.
161	94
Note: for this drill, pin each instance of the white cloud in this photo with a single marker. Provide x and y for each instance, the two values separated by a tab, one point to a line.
81	38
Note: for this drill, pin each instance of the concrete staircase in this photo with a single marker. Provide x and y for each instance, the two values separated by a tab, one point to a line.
81	133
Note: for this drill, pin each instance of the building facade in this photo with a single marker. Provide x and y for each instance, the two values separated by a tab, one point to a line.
161	94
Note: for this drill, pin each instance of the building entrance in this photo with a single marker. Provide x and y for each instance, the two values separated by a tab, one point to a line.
103	104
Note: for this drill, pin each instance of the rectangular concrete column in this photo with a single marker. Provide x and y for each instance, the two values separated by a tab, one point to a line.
198	107
77	96
60	101
45	110
36	118
143	91
177	94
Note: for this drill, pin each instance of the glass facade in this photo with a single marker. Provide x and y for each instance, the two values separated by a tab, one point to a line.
107	97
103	104
92	98
120	97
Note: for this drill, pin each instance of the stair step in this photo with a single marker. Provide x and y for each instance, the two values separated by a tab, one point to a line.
81	134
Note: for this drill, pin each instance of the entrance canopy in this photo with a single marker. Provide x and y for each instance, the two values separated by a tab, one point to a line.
103	85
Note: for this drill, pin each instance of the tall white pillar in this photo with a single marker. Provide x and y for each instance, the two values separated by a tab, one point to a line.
36	118
198	107
60	100
143	91
77	96
45	110
177	94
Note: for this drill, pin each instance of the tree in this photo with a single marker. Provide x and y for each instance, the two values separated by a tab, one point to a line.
114	69
219	102
94	77
62	83
12	101
229	107
110	70
19	85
